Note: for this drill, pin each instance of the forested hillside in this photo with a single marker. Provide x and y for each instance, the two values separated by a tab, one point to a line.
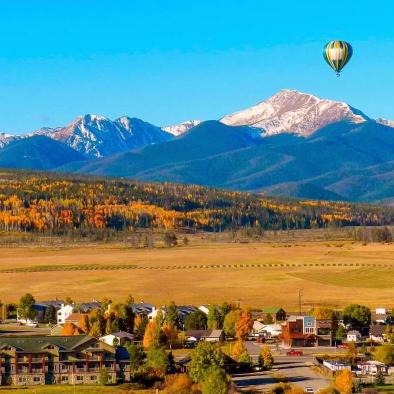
59	204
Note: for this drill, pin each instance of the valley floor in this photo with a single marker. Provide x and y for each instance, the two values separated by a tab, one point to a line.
252	274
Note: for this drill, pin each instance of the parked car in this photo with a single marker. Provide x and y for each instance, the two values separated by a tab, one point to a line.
295	353
343	346
309	390
190	345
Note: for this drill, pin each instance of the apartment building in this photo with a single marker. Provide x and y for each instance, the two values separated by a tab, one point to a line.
39	360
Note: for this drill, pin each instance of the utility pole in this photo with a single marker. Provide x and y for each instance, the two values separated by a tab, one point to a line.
300	294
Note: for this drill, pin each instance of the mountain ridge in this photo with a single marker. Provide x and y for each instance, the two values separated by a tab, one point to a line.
292	143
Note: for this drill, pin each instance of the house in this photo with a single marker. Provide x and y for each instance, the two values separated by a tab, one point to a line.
277	314
376	332
353	336
153	313
38	360
372	367
215	336
87	307
267	330
118	338
299	331
380	315
183	311
75	318
64	312
142	308
205	335
324	332
40	309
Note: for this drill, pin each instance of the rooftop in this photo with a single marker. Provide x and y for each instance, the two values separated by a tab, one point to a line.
36	344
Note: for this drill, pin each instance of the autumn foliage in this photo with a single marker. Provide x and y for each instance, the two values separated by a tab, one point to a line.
151	335
244	325
179	384
54	204
70	329
344	381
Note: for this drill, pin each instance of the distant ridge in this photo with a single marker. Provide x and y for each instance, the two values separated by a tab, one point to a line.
292	144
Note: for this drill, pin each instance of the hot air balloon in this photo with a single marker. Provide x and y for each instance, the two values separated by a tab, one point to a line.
337	54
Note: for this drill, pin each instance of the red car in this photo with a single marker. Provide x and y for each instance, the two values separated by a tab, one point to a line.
295	353
343	346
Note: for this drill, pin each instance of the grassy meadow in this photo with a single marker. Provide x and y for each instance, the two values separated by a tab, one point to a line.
257	274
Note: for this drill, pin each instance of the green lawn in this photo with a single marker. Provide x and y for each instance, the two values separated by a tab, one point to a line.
385	389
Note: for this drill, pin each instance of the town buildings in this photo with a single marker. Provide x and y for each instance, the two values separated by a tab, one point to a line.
306	331
39	360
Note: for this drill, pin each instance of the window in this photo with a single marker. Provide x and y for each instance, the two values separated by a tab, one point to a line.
64	378
36	379
79	377
93	377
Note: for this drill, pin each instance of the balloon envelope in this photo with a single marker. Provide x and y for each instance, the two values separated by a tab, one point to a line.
337	54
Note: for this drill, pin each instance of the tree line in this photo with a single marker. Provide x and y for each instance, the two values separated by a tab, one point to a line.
56	204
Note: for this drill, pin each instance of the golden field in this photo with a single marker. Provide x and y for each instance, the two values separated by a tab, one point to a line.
253	274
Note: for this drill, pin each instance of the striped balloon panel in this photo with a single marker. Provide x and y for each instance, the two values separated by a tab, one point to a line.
337	54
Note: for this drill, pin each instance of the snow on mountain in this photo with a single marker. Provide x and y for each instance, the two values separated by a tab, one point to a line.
181	128
98	136
6	139
294	112
385	122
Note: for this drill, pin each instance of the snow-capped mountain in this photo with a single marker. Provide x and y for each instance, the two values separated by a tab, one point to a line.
294	112
98	136
385	122
181	128
6	139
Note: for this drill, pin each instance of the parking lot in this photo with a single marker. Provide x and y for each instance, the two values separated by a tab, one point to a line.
296	369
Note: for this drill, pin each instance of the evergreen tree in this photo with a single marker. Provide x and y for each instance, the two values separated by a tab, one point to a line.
50	315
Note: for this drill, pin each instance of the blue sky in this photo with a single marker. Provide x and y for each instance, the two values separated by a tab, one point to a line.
167	61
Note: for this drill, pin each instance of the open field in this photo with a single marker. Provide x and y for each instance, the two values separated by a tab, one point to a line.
253	274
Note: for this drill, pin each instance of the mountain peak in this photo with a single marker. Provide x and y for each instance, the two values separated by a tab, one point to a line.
181	128
98	136
92	118
291	111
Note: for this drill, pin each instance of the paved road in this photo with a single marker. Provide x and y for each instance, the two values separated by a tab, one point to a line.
295	368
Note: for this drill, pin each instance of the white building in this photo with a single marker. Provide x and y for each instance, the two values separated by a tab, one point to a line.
152	315
336	365
353	336
118	338
63	313
372	367
267	330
